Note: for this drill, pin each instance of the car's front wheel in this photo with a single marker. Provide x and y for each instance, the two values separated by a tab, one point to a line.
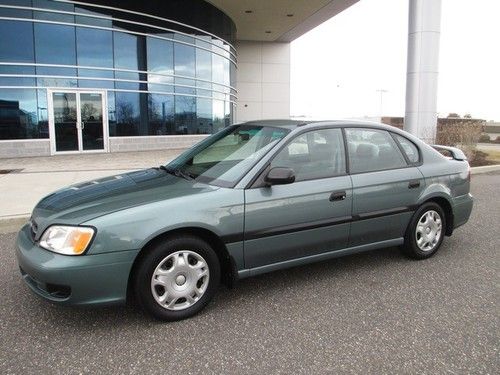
176	278
425	232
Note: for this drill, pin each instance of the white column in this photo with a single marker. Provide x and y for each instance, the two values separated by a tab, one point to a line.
422	68
263	80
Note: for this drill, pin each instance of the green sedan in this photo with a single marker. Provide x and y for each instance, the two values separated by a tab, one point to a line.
252	198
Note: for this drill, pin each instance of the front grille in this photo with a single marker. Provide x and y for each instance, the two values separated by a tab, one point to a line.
33	228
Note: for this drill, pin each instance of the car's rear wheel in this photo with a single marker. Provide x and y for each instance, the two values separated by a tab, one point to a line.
425	232
176	278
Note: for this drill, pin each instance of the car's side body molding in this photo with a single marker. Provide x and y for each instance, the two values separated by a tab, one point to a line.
286	229
319	257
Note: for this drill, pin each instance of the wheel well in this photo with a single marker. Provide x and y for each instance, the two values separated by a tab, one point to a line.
448	212
228	268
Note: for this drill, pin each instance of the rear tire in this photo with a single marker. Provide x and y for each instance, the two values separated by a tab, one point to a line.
426	231
176	278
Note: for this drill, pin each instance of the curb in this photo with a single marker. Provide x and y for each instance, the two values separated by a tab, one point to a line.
9	224
485	169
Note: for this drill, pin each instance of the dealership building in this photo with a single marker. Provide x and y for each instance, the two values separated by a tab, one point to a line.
115	75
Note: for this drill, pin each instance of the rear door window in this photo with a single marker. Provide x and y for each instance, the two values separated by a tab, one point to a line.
372	150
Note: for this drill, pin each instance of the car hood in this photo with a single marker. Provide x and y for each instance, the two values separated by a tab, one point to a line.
79	203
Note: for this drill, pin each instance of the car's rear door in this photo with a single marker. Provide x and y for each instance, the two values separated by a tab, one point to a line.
386	185
307	217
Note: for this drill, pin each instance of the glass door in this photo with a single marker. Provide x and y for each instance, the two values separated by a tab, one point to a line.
65	121
78	121
91	123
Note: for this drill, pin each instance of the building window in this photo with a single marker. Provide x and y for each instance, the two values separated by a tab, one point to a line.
13	35
55	44
158	82
19	115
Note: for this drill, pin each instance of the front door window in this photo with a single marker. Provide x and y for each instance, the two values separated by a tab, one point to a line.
78	121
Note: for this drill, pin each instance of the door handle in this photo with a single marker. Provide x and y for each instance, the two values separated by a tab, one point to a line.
338	196
413	184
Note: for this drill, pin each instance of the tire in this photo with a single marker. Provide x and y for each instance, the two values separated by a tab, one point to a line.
426	231
176	278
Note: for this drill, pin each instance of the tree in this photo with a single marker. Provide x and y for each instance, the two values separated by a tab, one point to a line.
453	115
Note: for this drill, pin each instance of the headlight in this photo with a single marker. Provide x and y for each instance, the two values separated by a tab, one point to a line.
67	240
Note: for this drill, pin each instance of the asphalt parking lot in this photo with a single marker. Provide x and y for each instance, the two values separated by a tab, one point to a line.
376	312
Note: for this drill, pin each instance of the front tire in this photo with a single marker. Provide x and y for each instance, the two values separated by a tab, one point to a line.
425	233
176	278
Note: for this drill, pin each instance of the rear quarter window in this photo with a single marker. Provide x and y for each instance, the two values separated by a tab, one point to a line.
409	149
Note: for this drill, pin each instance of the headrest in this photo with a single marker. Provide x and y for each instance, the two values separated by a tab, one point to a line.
367	150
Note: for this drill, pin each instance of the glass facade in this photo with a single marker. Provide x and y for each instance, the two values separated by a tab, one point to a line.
167	68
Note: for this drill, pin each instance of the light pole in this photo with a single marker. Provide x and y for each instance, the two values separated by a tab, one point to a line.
382	92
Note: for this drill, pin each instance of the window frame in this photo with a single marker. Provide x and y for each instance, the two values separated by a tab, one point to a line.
408	161
258	180
391	134
223	184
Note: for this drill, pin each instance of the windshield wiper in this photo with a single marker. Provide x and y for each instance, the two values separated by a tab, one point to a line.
178	172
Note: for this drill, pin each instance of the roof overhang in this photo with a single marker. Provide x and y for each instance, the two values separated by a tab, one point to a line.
279	20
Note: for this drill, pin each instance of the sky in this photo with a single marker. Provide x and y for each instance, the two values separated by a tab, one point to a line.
337	68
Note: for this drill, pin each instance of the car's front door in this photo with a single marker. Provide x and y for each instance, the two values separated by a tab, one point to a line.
307	217
386	186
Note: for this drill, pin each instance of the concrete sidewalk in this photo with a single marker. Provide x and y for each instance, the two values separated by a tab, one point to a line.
33	178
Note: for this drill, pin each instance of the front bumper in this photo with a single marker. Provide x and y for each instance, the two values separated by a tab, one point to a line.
99	279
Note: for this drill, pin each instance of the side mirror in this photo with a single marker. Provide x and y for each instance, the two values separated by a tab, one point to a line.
280	176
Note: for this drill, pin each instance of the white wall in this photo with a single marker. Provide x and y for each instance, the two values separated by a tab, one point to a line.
263	80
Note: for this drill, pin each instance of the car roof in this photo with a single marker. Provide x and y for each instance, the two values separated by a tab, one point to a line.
292	124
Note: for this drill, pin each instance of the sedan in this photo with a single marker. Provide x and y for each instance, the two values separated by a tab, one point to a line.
253	198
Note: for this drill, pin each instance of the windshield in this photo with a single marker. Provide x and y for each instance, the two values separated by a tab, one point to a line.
225	157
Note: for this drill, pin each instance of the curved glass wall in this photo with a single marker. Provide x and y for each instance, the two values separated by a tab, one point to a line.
167	68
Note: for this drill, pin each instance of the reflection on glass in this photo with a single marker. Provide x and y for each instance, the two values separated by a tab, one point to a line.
43	115
185	86
161	114
51	16
218	115
18	118
90	20
17	13
160	55
65	121
91	121
204	116
203	65
184	60
185	115
91	83
22	34
94	47
55	44
125	51
56	82
218	69
127	114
